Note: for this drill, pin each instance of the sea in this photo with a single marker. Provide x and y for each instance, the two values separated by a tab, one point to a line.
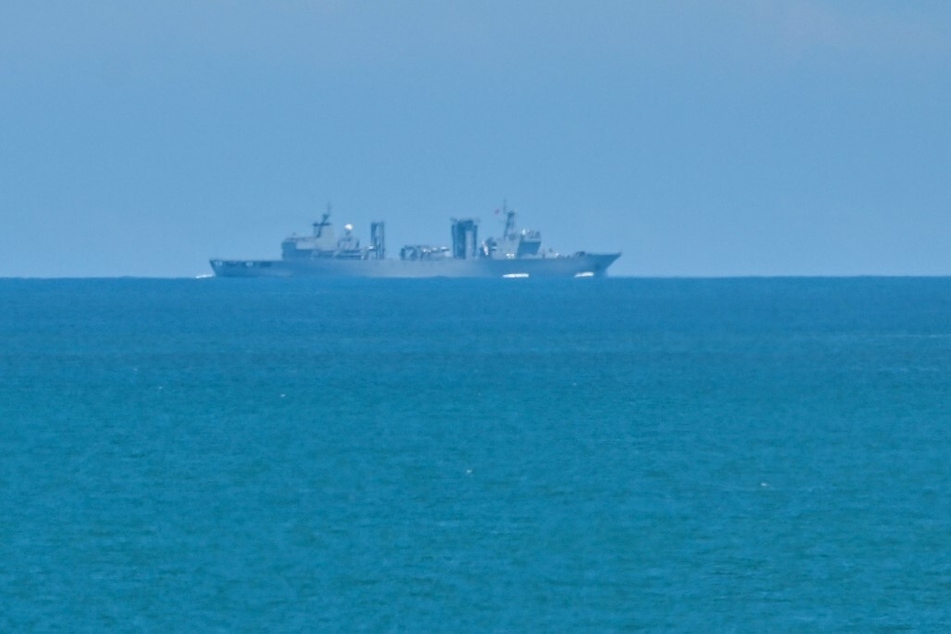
591	455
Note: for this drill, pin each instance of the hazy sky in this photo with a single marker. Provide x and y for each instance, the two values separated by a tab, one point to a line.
730	137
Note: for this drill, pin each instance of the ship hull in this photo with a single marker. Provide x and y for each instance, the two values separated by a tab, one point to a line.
578	265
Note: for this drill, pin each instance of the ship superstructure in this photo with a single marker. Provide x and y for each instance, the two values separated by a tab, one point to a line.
323	244
515	254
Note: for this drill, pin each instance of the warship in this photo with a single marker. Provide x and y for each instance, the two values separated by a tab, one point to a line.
516	254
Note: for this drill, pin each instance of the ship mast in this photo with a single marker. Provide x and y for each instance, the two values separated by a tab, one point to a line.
509	220
323	222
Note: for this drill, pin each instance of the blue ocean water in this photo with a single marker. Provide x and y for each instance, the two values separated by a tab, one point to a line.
505	455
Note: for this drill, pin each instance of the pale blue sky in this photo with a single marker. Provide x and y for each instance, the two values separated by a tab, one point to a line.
739	137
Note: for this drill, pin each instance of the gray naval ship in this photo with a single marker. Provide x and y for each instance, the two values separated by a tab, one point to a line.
517	253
